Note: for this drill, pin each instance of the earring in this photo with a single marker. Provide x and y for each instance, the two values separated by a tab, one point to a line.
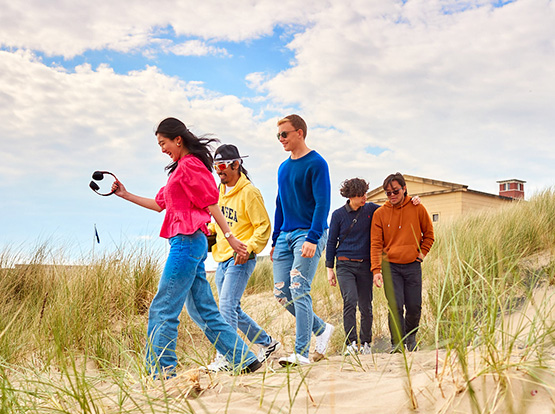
178	144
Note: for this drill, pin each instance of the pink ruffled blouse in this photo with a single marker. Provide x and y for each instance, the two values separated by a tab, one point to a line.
191	188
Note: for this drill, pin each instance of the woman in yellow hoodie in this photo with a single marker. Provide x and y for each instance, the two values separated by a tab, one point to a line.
243	208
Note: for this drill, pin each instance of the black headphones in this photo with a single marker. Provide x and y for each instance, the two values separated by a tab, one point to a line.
99	175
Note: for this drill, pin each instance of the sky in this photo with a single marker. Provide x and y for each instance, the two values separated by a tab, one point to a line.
460	91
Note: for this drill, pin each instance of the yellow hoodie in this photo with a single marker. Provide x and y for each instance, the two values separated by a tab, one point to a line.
243	207
400	233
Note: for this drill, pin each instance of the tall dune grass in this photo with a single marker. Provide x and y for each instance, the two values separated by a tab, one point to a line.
72	338
482	269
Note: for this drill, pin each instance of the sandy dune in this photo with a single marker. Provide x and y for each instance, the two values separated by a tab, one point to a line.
368	384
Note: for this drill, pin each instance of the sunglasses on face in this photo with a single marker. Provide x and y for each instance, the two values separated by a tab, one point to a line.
283	134
394	192
221	166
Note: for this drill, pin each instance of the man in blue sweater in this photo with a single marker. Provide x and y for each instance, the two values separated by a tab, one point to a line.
300	235
349	244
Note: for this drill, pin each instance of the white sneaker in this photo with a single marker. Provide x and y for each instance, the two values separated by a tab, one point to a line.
323	340
351	349
219	364
293	359
366	349
265	351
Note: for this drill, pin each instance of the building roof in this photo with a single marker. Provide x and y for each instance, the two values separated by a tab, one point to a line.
512	180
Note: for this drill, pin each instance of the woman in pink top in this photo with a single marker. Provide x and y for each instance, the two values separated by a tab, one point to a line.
189	197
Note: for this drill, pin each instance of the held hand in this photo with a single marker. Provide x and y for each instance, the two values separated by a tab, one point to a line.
416	200
119	189
241	259
308	249
331	277
238	246
378	280
420	257
272	254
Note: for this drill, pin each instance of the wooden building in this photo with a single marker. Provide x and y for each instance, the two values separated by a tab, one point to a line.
445	200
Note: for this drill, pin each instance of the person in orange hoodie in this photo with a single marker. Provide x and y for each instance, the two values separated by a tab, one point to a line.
401	236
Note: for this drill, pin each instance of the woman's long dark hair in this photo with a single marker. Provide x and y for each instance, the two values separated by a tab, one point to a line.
200	147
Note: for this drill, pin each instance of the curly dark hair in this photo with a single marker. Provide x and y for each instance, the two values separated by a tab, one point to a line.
354	187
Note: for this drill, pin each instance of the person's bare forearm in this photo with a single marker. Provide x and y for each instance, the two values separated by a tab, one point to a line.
145	202
120	190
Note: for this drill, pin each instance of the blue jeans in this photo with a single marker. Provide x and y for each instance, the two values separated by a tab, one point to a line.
231	281
293	276
184	281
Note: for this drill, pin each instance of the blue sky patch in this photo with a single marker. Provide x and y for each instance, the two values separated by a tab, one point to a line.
222	72
375	150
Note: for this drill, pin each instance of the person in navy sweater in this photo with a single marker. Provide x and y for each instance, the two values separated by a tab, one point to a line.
300	235
349	244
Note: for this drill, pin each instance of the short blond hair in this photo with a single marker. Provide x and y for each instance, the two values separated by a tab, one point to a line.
296	121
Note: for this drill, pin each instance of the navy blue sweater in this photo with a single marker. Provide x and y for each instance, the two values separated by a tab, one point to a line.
357	243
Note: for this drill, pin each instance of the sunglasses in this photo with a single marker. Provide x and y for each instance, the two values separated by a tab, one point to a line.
283	134
394	192
221	166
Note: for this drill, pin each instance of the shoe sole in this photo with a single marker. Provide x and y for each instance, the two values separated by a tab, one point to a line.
291	364
215	370
318	356
287	363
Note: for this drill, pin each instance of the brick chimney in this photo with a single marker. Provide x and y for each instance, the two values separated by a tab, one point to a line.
512	188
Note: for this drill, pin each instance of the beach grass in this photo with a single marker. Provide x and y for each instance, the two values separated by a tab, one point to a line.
72	337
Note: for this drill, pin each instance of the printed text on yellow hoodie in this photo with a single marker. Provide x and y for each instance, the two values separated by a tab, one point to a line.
243	207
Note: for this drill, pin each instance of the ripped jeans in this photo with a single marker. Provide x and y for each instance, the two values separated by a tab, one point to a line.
293	276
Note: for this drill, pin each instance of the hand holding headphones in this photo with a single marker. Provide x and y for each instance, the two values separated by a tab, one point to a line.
99	176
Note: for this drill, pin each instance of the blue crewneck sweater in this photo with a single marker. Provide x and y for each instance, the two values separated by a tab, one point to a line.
303	200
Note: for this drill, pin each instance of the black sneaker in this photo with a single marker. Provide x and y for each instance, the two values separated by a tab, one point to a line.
253	366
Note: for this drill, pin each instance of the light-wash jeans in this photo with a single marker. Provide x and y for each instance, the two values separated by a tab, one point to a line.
184	281
231	281
293	276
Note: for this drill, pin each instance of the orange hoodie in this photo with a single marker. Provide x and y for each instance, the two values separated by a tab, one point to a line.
400	233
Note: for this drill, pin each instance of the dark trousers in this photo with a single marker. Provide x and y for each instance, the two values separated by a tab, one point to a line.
403	289
355	282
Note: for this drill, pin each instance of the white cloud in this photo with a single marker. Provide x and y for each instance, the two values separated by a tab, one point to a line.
197	48
70	28
78	119
465	95
256	80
